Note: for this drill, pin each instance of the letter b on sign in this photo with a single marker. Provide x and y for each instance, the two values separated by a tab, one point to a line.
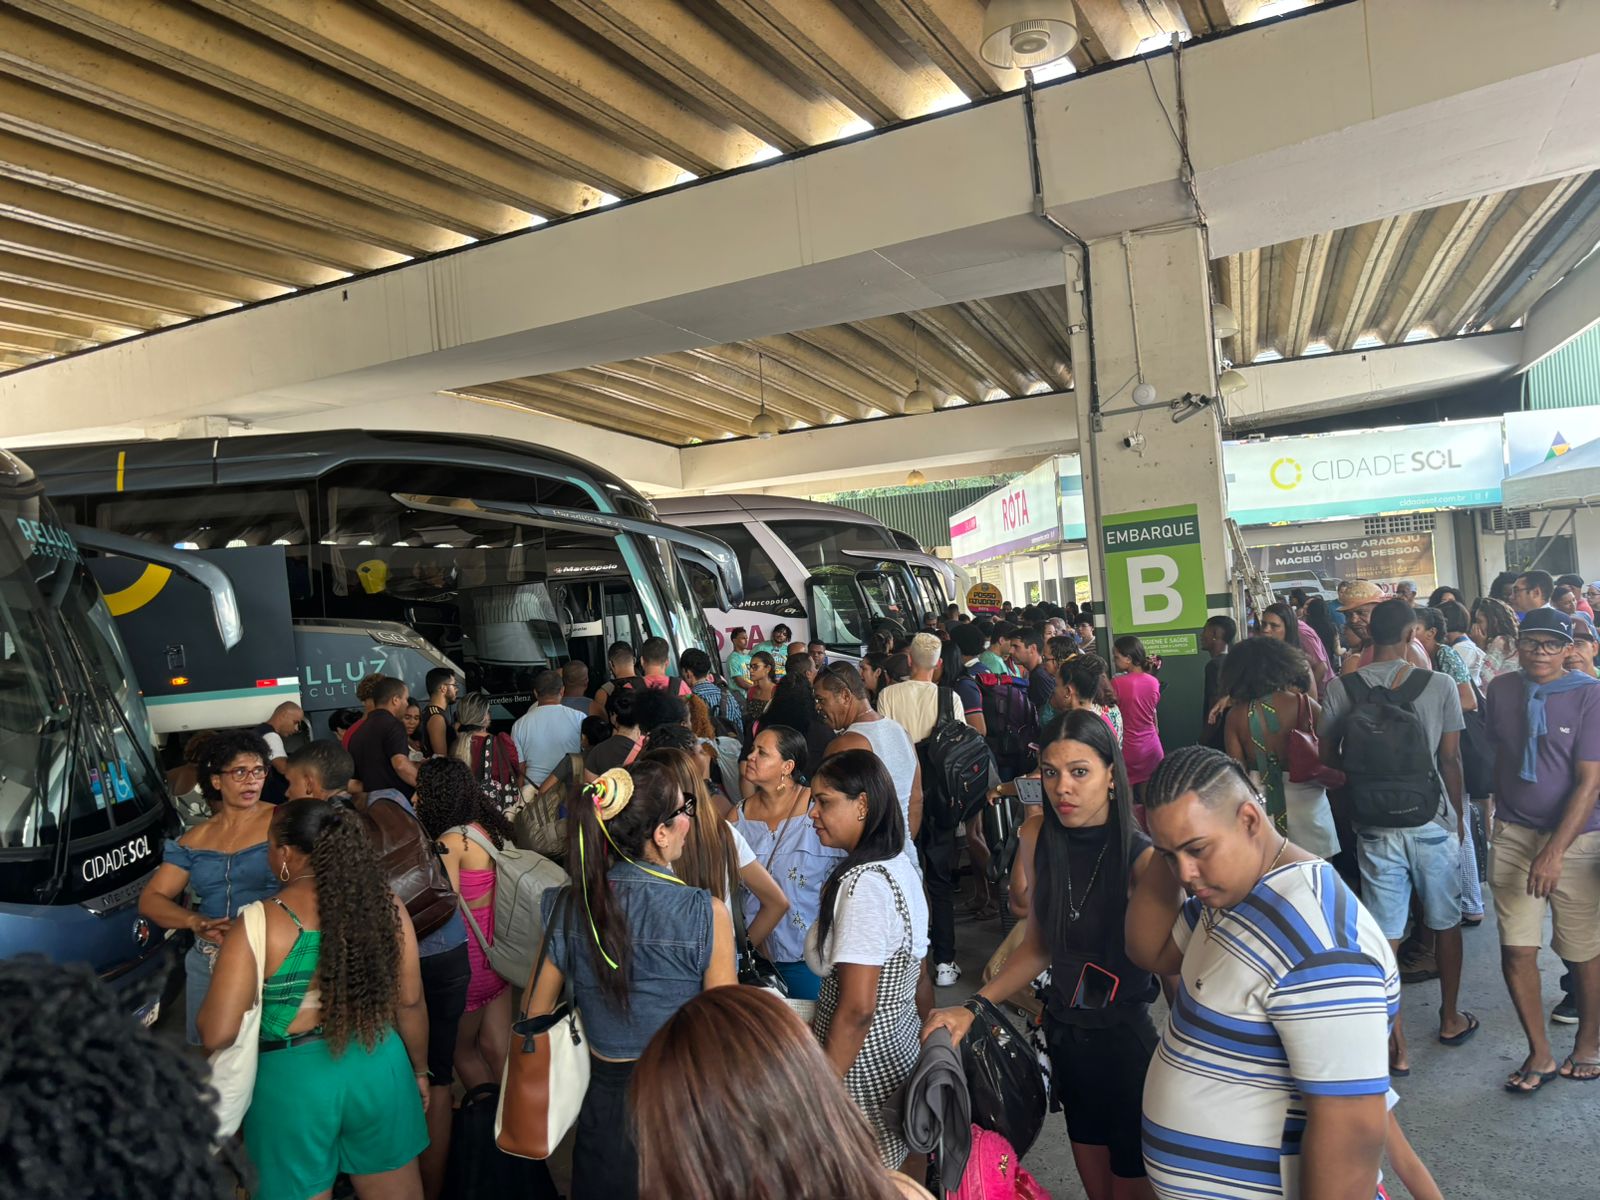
1152	597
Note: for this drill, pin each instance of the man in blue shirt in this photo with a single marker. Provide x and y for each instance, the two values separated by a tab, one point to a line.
548	731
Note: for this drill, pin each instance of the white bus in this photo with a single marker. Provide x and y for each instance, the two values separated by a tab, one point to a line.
825	571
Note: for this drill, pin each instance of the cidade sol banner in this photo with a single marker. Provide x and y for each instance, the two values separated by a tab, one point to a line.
1019	516
1457	465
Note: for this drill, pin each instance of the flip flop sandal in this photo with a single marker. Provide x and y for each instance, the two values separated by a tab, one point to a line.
1537	1078
1399	1072
1575	1063
1465	1036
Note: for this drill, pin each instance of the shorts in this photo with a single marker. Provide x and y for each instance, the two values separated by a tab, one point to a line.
314	1116
1098	1076
1394	862
445	978
1574	905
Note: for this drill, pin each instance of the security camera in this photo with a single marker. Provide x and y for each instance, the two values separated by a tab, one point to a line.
1134	441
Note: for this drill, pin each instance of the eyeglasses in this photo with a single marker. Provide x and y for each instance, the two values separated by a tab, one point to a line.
246	774
1528	646
686	809
1518	587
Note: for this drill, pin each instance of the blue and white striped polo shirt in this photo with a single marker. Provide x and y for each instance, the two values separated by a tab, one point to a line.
1290	993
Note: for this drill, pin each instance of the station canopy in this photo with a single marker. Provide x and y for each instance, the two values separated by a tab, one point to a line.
165	162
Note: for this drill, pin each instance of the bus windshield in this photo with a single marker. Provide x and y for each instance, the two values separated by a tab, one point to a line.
839	616
73	735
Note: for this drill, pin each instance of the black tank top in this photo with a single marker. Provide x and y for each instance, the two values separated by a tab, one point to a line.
1096	936
430	711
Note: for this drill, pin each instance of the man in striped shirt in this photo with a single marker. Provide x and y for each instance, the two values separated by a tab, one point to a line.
1271	1076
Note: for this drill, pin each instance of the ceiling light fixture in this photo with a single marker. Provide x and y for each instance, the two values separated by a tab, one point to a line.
1224	322
1021	34
919	399
915	478
1232	382
765	424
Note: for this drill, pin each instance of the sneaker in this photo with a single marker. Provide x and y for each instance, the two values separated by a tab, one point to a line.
946	974
1565	1013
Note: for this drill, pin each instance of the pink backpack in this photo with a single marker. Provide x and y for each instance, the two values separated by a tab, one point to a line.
994	1172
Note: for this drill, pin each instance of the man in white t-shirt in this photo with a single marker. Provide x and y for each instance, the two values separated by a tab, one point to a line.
842	703
914	702
548	731
284	722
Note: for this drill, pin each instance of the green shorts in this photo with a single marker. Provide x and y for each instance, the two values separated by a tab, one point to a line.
314	1115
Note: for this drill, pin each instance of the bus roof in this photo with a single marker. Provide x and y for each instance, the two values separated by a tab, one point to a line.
144	465
760	507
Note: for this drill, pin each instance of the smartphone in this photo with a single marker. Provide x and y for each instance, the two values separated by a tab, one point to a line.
1029	791
1097	988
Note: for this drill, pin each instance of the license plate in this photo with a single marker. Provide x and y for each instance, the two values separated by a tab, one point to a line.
149	1014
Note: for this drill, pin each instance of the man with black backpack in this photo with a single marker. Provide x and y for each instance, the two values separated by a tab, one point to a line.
1395	730
956	769
997	706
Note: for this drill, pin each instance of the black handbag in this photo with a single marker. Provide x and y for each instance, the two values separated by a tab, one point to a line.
755	968
1004	1081
1001	820
478	1167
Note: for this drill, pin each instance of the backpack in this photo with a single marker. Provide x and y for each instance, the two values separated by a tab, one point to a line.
1391	780
497	774
1477	751
521	878
410	861
1012	722
958	768
995	1172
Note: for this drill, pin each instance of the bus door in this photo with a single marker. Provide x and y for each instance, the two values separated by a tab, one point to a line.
934	577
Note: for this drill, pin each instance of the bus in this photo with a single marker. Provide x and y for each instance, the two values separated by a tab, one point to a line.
497	555
84	807
827	572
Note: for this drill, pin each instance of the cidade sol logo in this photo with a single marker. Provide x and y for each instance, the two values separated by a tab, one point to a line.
1285	474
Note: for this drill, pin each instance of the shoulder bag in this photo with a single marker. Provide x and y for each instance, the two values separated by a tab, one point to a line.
755	968
1305	752
547	1071
233	1068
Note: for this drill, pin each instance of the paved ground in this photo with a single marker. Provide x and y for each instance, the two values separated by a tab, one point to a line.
1474	1137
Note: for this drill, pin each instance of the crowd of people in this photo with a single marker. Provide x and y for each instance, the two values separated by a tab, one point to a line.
788	813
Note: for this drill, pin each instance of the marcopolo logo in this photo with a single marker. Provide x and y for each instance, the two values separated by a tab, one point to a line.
1285	474
98	866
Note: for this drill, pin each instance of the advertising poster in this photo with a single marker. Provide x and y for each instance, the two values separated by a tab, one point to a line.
1321	565
1155	577
1019	516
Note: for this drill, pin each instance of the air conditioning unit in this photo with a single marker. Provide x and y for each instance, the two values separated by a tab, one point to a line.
1400	523
1498	520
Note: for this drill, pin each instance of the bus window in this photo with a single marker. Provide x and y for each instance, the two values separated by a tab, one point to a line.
839	618
764	585
816	543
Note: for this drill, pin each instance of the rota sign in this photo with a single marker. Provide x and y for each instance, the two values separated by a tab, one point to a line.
983	598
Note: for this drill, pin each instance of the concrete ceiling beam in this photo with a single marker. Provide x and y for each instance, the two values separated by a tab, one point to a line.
80	250
1576	246
1509	236
949	33
119	319
700	411
1014	324
1308	273
525	45
70	178
838	374
74	215
58	325
939	366
37	343
1118	32
390	58
1248	308
840	58
98	285
738	366
728	404
670	40
1441	253
560	399
81	127
957	327
46	55
1375	247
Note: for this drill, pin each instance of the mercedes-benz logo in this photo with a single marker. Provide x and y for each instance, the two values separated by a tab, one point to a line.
141	932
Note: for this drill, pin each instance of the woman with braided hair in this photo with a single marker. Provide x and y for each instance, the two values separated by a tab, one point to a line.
342	1081
636	942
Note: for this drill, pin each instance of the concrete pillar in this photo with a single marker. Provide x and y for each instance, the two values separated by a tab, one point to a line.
1153	487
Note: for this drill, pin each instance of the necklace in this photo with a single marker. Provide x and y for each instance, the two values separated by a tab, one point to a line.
1075	907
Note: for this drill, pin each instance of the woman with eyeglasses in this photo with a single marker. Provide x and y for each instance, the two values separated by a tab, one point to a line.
222	861
869	939
637	943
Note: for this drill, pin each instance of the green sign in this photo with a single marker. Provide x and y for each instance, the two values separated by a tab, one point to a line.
1155	577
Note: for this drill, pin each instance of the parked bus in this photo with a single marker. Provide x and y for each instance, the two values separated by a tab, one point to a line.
825	571
494	554
83	803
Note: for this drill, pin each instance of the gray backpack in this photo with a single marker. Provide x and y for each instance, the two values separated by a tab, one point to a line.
521	878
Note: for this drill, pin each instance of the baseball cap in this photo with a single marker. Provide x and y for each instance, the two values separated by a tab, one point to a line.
1583	630
1547	620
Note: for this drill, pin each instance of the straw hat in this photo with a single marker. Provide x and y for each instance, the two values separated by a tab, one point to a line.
1358	593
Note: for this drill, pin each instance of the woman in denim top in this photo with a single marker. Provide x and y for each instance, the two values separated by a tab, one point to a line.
222	861
637	942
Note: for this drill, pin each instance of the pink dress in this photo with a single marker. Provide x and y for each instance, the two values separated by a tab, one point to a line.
485	985
1317	654
1138	694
